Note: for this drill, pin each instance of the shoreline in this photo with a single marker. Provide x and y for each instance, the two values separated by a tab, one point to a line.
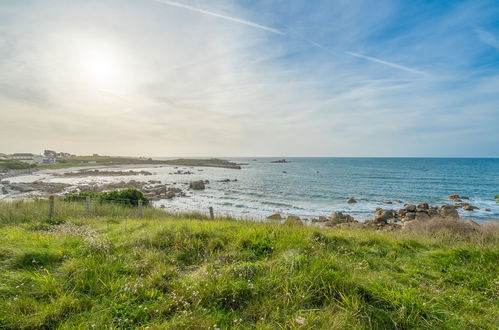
176	196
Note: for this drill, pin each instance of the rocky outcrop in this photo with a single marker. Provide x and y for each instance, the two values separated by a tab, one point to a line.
320	219
275	216
337	218
293	220
197	185
351	200
280	161
448	211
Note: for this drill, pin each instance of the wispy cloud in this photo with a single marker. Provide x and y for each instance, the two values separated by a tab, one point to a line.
393	65
487	38
229	18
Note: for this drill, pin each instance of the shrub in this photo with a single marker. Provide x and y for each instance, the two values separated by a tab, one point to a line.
130	196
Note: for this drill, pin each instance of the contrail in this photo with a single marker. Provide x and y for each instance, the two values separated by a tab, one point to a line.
393	65
229	18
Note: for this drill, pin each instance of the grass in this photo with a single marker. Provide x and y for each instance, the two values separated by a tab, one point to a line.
110	160
108	269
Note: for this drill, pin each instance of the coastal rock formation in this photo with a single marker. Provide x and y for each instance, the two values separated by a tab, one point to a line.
468	207
448	211
280	161
382	216
197	185
293	220
337	218
411	212
320	219
275	216
351	200
457	198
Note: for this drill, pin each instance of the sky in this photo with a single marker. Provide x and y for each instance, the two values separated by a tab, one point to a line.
354	78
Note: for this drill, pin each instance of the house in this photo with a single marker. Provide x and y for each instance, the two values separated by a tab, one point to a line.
45	160
24	157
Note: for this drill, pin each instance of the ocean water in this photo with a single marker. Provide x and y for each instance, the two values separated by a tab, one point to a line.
310	187
318	186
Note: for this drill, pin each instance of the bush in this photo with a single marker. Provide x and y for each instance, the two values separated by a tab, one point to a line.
14	165
130	196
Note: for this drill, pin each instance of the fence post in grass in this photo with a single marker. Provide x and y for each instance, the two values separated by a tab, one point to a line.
212	216
140	208
51	207
87	204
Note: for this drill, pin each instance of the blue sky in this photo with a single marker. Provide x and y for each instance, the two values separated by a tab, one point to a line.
250	78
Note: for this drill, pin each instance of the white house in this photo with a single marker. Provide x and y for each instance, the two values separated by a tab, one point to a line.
24	157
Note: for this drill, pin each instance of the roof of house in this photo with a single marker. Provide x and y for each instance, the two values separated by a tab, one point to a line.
21	154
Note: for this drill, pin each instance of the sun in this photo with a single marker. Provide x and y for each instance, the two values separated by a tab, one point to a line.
96	64
101	66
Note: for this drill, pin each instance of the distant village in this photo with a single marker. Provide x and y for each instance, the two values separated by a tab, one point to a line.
48	157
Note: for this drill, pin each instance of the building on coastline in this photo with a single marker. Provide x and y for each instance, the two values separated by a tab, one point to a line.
24	157
46	160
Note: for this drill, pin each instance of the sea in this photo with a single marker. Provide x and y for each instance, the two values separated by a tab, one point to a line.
310	187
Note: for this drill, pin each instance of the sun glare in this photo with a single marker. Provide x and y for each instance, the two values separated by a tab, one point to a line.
97	64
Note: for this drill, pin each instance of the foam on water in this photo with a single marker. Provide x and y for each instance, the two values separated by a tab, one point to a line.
319	186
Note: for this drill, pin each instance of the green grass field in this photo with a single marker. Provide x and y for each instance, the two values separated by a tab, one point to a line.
105	268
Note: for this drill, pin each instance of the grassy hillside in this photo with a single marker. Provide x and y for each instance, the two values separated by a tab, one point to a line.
113	270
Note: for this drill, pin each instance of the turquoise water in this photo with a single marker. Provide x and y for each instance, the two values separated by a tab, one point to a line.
319	186
310	187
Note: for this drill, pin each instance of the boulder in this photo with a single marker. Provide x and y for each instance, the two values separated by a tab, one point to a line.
422	216
454	197
197	185
422	207
382	216
320	219
293	220
433	211
409	216
448	211
351	200
410	207
275	216
486	209
4	190
468	207
337	217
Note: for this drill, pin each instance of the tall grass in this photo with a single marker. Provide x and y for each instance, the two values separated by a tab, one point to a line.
174	272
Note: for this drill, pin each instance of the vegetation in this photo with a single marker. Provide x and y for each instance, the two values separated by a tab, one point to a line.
11	164
497	198
130	196
108	269
107	160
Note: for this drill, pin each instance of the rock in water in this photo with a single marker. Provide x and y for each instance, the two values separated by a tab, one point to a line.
197	185
351	200
275	216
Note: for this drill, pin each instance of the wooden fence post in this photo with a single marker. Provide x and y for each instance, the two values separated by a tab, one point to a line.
87	204
140	208
51	208
212	216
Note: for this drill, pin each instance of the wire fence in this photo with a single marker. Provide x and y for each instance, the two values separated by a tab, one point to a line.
55	209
